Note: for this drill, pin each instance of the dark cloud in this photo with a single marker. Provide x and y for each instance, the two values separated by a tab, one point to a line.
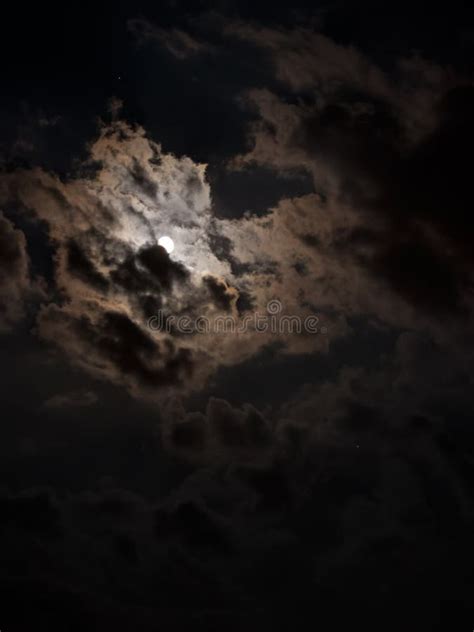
142	180
189	434
159	264
424	193
30	512
133	352
327	522
15	283
223	432
397	158
150	270
224	297
235	428
194	525
74	399
177	42
12	249
117	348
79	265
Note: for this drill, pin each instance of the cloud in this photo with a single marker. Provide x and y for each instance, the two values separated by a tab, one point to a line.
222	433
109	269
111	276
308	62
80	266
225	297
110	345
391	158
78	399
194	525
31	512
326	498
325	520
178	43
15	282
382	236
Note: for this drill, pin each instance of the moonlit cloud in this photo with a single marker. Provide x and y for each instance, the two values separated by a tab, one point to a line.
113	275
326	253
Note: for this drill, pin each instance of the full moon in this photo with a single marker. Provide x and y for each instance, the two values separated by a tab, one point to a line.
167	243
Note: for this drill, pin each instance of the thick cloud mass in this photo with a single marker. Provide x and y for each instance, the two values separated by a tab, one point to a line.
112	276
110	272
385	236
389	161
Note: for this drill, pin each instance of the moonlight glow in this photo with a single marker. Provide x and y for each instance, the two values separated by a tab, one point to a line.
167	243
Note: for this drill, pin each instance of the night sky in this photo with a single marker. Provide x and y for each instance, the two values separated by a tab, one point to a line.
264	421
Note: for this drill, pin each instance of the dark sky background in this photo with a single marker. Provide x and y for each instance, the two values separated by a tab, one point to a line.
314	154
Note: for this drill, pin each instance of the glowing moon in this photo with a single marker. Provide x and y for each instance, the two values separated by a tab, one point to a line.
167	243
